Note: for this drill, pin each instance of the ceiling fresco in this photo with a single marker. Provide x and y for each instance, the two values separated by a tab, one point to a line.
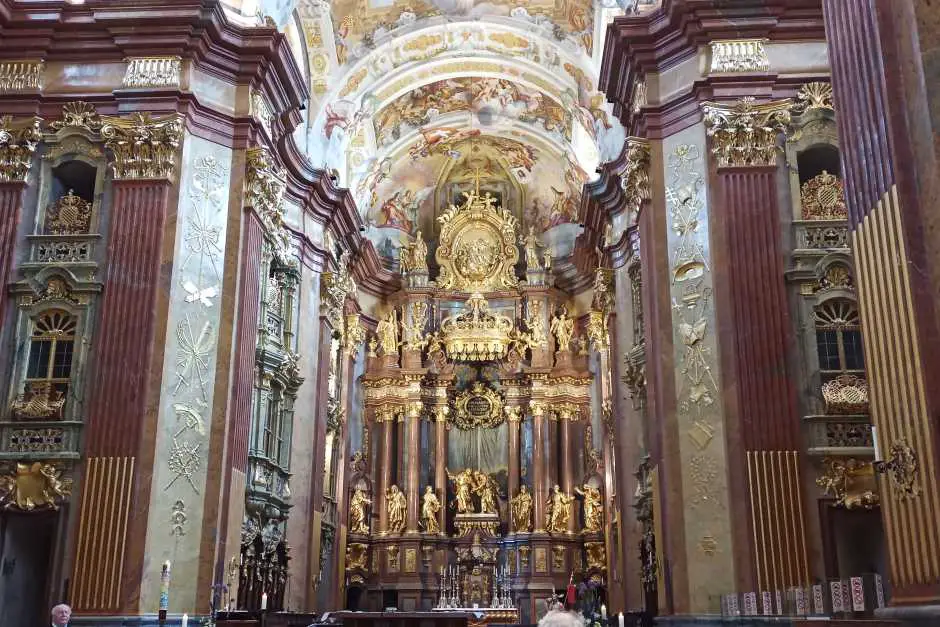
413	100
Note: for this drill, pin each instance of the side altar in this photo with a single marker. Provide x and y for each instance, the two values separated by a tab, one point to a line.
480	482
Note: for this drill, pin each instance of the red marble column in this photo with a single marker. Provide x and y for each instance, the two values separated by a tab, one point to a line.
413	417
11	199
567	474
756	339
513	426
539	489
440	463
385	470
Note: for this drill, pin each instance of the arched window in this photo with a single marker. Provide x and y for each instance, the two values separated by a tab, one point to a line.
838	338
50	351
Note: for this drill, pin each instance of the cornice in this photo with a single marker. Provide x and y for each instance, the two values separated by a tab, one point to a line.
656	41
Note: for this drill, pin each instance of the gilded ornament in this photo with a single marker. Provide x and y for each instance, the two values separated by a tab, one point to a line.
143	147
357	556
354	335
708	545
153	72
541	559
48	440
535	324
850	481
531	244
412	257
397	509
823	198
354	82
745	134
18	140
21	75
562	327
56	289
521	506
846	394
558	557
634	178
739	56
593	508
478	407
392	553
39	401
335	287
27	487
78	115
476	334
638	101
463	487
597	330
815	95
422	43
358	516
69	215
259	110
902	469
387	332
634	376
558	512
510	40
413	326
411	560
596	555
430	506
178	519
477	246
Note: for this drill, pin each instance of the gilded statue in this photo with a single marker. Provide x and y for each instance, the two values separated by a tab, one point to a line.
413	257
562	328
430	506
387	332
463	485
531	244
358	521
537	335
30	486
486	489
414	330
397	509
521	506
559	511
593	507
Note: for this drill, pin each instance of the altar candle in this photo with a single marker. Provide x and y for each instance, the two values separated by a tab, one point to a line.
875	444
165	586
603	612
264	601
620	619
185	620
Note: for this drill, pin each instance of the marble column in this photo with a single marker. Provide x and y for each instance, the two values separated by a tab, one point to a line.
18	140
127	365
513	417
755	333
567	473
413	430
539	475
440	462
387	420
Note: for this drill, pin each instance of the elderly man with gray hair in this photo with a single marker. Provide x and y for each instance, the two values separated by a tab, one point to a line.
560	618
60	615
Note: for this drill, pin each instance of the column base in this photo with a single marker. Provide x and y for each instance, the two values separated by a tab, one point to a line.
911	615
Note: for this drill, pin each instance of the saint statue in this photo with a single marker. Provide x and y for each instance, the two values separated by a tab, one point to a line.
397	509
562	328
537	335
487	492
531	243
387	332
593	507
521	505
358	522
430	506
559	511
419	254
462	486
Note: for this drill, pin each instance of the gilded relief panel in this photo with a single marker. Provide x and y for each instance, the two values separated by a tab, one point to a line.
189	367
699	411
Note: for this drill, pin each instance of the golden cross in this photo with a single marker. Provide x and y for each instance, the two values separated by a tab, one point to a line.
476	179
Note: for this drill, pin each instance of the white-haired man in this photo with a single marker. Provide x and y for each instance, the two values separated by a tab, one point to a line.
60	615
560	618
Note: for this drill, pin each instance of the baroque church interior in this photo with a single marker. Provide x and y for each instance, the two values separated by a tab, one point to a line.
444	312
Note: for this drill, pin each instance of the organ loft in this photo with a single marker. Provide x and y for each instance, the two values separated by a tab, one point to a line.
383	313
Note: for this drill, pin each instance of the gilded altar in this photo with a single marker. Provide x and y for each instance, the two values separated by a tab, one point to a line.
484	457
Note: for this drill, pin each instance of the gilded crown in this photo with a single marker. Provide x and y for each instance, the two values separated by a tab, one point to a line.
476	334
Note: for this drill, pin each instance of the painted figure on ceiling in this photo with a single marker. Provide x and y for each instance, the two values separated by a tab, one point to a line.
399	211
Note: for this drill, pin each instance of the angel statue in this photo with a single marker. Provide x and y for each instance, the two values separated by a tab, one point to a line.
397	509
486	489
531	244
593	507
462	486
559	511
430	506
358	522
521	506
414	256
562	328
387	332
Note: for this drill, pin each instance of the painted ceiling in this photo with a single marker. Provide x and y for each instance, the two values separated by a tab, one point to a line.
413	100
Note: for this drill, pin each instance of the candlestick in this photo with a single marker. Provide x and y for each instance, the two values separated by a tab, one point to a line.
603	612
185	620
264	601
165	586
620	619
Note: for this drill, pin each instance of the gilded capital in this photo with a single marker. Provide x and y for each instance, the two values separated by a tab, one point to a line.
440	413
635	177
513	413
537	408
18	140
143	147
745	134
414	409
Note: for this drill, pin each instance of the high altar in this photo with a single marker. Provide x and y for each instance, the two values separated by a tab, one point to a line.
481	479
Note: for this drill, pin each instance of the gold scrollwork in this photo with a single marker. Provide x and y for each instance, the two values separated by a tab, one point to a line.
745	133
33	486
69	215
476	334
635	178
596	555
851	482
80	115
39	400
18	140
815	95
823	198
357	556
902	469
144	147
477	407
